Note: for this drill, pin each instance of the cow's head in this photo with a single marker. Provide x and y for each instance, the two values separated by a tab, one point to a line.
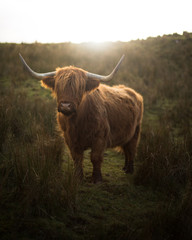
69	84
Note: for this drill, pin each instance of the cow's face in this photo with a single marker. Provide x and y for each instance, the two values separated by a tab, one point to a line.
69	86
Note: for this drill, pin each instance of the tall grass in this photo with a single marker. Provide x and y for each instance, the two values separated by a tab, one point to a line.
31	157
165	160
165	165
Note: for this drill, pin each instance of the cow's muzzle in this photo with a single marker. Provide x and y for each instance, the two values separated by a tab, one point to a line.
66	108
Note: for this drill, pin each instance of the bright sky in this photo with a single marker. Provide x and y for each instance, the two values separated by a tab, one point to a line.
92	20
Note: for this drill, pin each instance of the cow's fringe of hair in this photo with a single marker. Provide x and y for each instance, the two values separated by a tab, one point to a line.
70	79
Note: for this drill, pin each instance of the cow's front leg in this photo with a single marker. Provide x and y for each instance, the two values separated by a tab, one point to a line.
96	159
78	164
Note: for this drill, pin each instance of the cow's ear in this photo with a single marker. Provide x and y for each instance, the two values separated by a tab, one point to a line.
92	84
48	82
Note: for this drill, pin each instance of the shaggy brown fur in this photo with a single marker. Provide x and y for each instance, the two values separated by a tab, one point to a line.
96	116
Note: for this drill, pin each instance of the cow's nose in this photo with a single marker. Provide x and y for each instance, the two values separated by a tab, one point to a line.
66	108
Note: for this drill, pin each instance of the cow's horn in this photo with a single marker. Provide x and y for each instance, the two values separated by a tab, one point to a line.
108	77
35	74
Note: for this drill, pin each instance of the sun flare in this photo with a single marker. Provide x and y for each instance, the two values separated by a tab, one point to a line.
91	21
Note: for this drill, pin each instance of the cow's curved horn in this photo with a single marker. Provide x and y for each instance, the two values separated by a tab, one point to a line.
108	77
35	74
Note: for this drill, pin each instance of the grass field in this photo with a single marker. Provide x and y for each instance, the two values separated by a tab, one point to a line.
39	196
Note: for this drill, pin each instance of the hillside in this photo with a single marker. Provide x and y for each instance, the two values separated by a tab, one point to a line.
39	196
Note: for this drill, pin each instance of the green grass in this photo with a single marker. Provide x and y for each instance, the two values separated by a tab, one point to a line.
115	209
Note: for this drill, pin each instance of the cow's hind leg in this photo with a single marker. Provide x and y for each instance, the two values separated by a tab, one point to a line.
96	159
130	150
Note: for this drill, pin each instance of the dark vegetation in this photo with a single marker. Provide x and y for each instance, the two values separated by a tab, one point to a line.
40	198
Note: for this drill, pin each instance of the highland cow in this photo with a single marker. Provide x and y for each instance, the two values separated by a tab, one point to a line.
94	115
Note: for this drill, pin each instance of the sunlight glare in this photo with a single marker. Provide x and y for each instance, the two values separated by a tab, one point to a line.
91	21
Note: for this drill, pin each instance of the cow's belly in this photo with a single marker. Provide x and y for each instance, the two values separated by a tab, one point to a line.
120	136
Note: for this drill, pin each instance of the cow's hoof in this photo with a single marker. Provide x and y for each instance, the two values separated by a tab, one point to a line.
128	170
124	169
97	179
